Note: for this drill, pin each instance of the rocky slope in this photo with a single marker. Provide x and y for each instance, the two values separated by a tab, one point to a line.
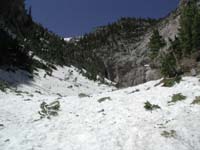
125	52
123	48
140	70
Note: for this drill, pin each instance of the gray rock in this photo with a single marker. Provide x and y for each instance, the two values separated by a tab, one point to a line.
193	72
126	65
153	75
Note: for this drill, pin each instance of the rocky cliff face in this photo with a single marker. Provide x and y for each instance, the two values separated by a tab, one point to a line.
126	61
125	52
140	71
134	68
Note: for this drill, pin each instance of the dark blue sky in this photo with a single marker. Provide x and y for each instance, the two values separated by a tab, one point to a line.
76	17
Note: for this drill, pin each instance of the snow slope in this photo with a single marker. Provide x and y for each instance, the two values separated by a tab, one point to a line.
65	81
118	122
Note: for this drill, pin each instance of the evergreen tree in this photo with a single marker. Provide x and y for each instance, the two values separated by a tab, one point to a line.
196	32
168	65
11	53
175	47
187	29
30	11
156	43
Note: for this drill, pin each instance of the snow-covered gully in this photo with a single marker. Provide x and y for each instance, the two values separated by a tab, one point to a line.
93	116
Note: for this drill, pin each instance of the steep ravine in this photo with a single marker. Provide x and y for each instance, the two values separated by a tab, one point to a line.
126	57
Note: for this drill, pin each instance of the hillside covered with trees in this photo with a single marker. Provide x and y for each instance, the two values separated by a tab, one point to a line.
22	39
183	53
120	51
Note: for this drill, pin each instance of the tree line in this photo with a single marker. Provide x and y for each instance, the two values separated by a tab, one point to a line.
184	45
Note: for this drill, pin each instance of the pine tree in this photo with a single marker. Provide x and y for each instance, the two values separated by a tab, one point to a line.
156	43
196	32
30	11
175	47
168	65
186	27
11	53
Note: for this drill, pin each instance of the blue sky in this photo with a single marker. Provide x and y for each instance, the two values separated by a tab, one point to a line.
76	17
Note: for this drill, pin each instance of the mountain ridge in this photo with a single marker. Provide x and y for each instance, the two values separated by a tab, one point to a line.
125	58
118	51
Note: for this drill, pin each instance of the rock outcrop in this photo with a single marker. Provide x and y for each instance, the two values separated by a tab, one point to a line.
126	56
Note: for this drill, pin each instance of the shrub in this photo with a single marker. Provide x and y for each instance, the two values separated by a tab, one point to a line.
169	82
3	86
104	99
82	95
169	134
197	100
150	107
48	67
48	110
177	97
